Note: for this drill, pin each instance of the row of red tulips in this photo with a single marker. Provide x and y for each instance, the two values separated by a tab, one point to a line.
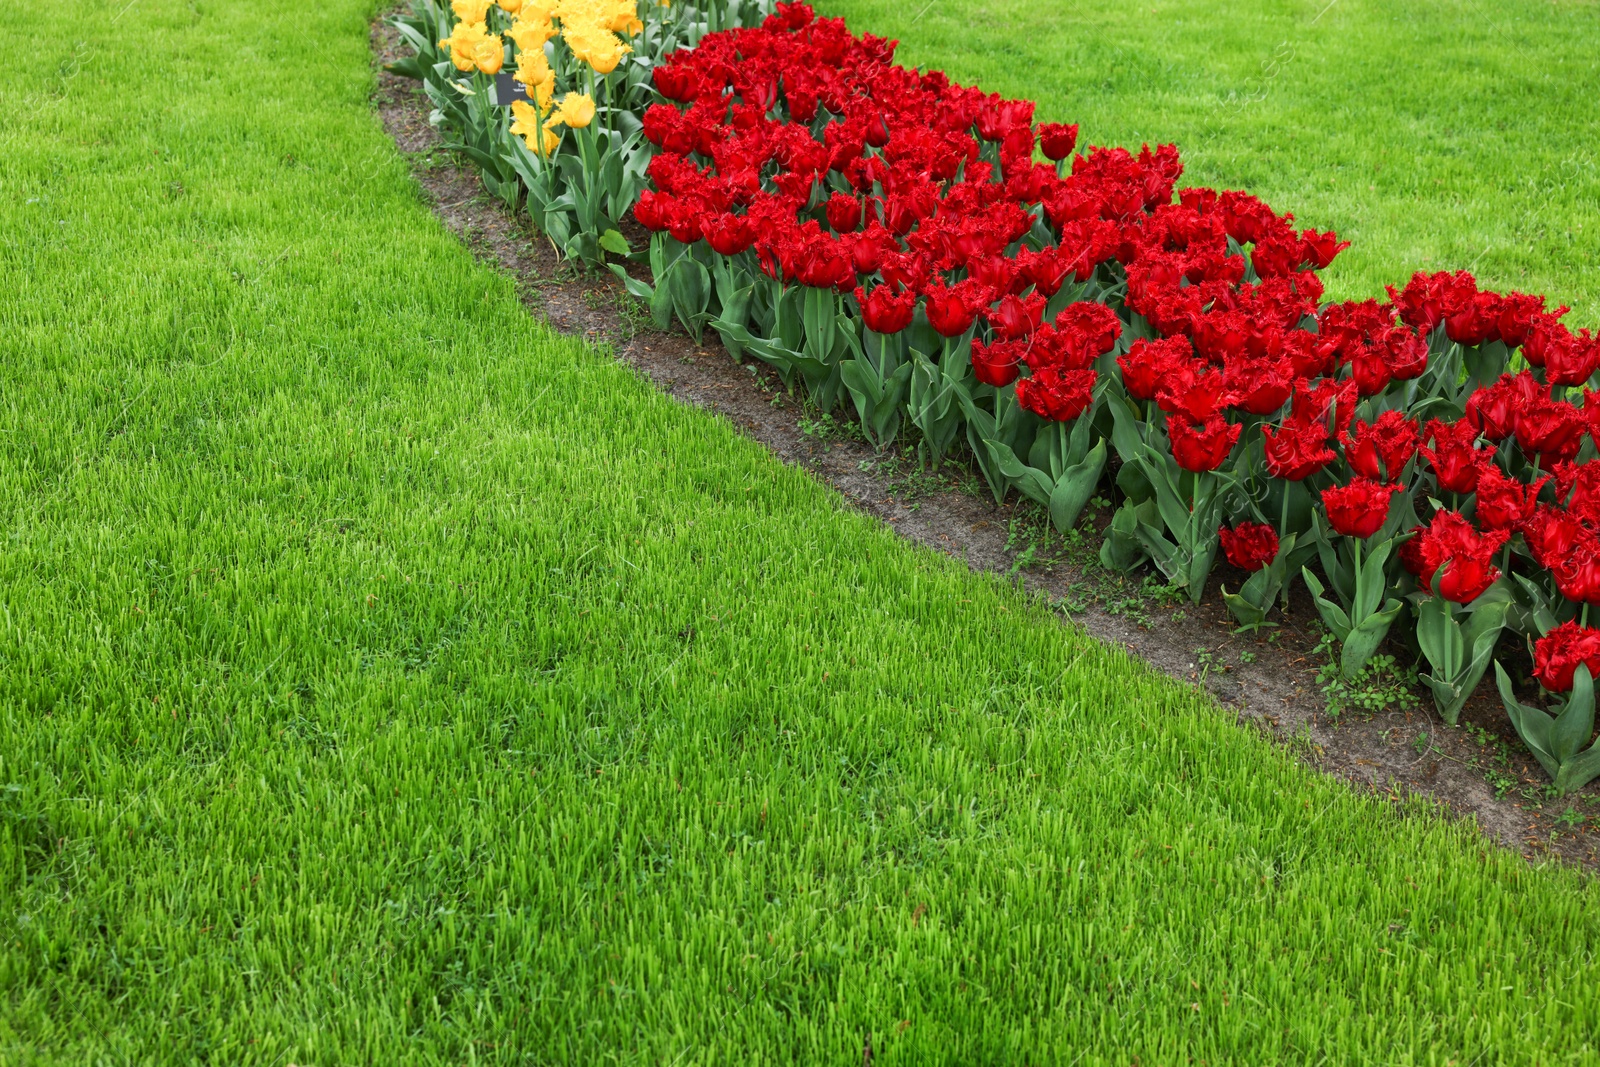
884	234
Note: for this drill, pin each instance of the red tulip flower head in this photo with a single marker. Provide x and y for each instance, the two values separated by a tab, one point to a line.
1297	449
885	312
1380	451
1451	544
1057	140
1558	654
1359	509
1201	446
997	364
1455	457
1249	545
1504	503
1057	394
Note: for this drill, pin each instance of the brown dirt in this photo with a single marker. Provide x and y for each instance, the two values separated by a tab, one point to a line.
1271	684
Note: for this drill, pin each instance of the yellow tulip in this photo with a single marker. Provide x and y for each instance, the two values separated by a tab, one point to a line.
604	62
526	125
466	43
544	91
597	47
538	10
530	34
475	11
489	53
576	112
532	67
524	119
619	16
461	57
510	7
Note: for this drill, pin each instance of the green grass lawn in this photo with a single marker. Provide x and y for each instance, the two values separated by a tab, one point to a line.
384	679
1436	135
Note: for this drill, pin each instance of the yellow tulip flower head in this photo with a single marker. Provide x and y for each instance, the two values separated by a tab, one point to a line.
576	112
538	10
531	34
533	68
605	60
524	119
597	47
620	16
471	10
467	42
489	53
526	125
544	91
510	7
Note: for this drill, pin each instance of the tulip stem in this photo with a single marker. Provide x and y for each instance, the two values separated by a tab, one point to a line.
1356	593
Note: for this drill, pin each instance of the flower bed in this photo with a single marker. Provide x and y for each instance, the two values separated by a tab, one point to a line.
886	238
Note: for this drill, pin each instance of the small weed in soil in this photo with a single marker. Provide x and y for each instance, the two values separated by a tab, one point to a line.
1380	685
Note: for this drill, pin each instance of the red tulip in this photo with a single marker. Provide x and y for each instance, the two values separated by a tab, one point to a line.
1360	508
1090	331
998	364
1450	543
1016	316
1456	459
1195	389
1057	140
1404	352
683	222
651	210
1577	574
1551	430
1558	654
1578	489
676	82
1543	333
1297	449
884	311
1146	363
1324	400
1493	410
1380	451
1519	312
1476	321
1552	535
729	234
950	311
1504	503
1572	362
869	247
1201	446
1428	299
844	213
1249	545
1057	394
1322	247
